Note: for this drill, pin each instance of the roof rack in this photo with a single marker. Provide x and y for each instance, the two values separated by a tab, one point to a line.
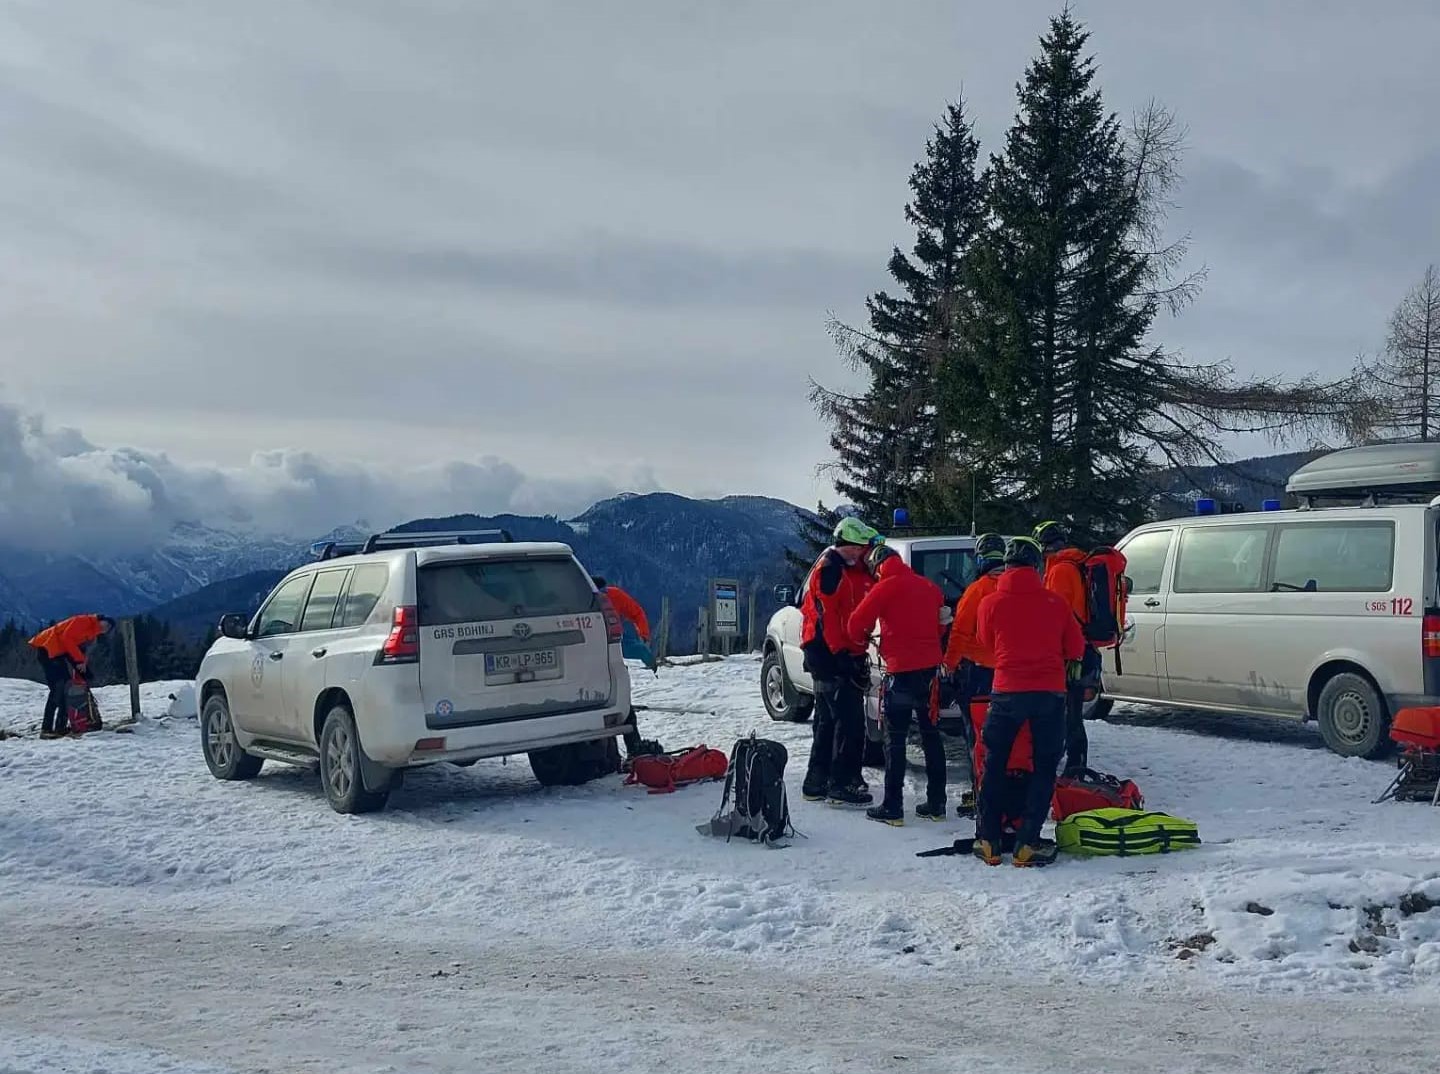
378	542
1398	473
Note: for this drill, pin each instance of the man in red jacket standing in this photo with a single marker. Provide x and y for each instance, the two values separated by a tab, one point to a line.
1035	638
1065	577
907	607
841	668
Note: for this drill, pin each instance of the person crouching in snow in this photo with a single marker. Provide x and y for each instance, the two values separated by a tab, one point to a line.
61	650
1035	639
840	667
907	607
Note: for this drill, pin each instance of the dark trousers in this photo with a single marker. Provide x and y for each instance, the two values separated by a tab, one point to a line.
1008	713
837	745
1077	740
904	697
57	678
974	682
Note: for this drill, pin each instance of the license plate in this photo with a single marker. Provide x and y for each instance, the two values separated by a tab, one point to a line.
533	663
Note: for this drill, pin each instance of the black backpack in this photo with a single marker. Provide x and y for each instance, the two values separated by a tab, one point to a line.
755	794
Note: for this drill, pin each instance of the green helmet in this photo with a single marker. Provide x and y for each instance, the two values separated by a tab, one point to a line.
989	544
1051	535
1024	552
850	530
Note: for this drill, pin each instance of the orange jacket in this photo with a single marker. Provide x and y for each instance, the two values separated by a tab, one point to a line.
1064	578
629	609
965	641
69	637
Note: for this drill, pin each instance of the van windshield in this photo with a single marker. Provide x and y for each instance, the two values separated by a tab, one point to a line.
488	589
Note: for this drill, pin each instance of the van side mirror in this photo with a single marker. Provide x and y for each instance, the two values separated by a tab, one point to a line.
785	594
234	626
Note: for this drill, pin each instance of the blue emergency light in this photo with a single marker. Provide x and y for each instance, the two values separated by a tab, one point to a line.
1270	505
1205	506
901	518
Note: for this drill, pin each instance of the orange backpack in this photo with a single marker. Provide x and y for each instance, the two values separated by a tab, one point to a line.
663	772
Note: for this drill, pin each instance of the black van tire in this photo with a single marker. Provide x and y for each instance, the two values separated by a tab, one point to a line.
342	766
1352	716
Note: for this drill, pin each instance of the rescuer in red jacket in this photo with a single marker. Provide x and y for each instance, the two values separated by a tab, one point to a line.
1036	640
840	667
61	650
907	607
1065	577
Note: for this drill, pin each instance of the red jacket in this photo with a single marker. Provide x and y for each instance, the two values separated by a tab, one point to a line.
69	637
628	608
964	642
907	606
1033	633
832	593
1065	578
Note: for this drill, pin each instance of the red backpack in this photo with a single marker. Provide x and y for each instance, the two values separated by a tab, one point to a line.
1104	573
663	772
1093	790
80	708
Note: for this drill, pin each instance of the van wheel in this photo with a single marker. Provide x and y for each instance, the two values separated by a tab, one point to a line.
340	767
1352	717
577	763
782	701
223	755
1099	709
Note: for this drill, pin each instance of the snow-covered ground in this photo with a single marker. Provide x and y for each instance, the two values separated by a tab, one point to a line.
484	923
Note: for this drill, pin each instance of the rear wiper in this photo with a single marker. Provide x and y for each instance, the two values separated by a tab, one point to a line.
1285	587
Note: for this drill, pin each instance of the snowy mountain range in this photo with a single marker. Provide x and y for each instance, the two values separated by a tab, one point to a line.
656	545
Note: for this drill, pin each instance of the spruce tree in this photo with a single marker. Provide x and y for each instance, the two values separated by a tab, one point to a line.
1067	282
892	443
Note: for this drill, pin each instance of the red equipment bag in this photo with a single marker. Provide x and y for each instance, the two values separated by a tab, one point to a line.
80	708
663	772
1093	790
1417	728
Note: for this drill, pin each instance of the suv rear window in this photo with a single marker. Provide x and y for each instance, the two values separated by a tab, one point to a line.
489	589
952	569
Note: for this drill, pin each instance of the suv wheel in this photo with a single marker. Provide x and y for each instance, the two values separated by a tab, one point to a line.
1352	717
223	755
782	701
577	763
340	766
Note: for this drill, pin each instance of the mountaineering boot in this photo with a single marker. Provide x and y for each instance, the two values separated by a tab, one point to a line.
986	852
52	734
887	814
931	810
966	808
850	796
811	793
1034	855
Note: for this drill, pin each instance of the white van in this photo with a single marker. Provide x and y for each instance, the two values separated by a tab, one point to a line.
1328	613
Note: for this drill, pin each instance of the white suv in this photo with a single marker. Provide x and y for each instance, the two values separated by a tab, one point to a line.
413	649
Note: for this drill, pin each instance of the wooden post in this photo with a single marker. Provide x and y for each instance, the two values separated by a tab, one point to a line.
662	636
750	637
132	665
702	632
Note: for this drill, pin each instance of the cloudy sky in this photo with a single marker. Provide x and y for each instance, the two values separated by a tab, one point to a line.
365	256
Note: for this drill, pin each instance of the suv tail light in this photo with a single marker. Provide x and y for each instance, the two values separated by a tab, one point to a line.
1430	636
403	644
614	629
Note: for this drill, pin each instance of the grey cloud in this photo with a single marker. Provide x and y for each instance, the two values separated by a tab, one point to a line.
61	493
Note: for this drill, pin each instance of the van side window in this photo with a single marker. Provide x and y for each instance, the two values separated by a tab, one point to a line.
1335	557
281	614
1145	560
951	569
1221	559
